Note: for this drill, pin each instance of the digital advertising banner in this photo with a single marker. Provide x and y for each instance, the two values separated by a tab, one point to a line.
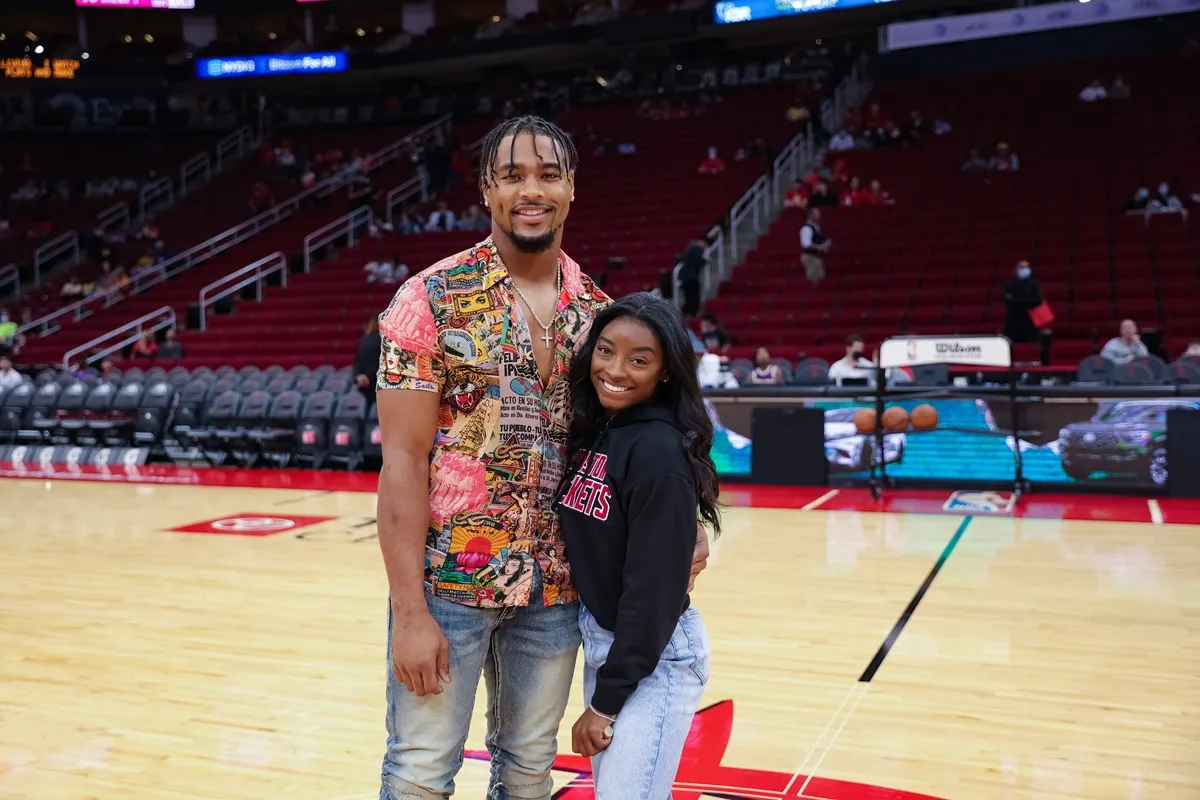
730	11
1063	440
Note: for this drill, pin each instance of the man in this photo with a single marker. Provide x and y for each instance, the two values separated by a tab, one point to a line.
813	247
9	377
473	399
1126	347
853	365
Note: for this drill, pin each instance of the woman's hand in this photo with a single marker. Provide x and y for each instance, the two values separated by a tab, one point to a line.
590	734
700	558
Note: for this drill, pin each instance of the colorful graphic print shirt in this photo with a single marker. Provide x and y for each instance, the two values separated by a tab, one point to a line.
499	454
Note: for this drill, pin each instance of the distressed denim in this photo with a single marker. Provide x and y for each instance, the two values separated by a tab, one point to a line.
527	657
648	737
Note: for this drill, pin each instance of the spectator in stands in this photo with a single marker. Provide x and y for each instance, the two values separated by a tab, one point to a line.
1093	92
409	222
145	347
9	377
821	197
1021	294
764	371
814	246
876	196
713	165
1192	351
975	162
941	127
853	194
691	269
1126	347
842	140
400	271
1139	201
170	347
261	198
379	269
366	359
1120	89
474	219
442	218
1005	160
71	291
1166	201
713	334
107	370
797	196
853	364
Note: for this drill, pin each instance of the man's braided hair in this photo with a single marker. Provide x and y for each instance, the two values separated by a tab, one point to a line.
564	148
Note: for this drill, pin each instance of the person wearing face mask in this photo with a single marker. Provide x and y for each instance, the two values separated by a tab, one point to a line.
854	365
1020	295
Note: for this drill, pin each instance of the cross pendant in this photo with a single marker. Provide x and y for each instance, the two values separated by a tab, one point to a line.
546	338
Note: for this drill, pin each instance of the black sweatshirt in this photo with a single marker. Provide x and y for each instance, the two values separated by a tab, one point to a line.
628	513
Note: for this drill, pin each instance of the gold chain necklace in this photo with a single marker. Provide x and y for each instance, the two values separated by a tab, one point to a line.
545	327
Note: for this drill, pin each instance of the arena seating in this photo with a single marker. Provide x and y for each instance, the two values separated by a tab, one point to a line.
79	159
216	208
642	207
935	262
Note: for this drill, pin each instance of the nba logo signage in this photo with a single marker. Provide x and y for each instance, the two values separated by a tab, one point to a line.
980	502
912	350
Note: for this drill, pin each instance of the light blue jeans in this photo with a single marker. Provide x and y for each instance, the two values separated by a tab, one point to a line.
652	728
527	656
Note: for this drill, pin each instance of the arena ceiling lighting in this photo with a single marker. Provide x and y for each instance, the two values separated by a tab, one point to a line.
729	11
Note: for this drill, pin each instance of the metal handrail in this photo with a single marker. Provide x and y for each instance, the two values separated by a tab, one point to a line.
154	191
251	273
221	242
10	273
346	224
412	187
137	327
753	202
234	147
55	248
114	215
199	164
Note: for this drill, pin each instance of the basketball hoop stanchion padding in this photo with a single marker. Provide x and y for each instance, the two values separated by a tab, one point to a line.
915	351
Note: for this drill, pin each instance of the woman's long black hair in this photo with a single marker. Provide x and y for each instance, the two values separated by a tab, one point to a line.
680	395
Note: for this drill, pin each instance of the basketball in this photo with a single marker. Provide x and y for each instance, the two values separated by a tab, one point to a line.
895	419
864	420
924	417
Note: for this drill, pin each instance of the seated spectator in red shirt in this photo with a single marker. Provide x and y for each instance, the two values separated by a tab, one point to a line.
713	165
797	196
876	196
876	118
853	194
145	347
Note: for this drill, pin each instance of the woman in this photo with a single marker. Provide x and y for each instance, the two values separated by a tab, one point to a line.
639	470
366	359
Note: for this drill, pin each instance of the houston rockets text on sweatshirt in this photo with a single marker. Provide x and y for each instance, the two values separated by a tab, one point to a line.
628	512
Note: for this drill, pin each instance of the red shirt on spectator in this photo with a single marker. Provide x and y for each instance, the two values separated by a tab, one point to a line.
713	164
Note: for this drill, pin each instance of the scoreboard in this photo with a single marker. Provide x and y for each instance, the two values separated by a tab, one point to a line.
63	69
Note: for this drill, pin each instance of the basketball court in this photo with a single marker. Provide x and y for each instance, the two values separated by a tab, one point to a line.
170	639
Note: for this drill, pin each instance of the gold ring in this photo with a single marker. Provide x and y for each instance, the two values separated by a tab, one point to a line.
608	732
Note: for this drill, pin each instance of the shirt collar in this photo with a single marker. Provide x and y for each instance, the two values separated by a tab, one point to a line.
494	271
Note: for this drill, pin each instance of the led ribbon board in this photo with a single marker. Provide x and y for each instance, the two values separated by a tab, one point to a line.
174	5
292	64
729	11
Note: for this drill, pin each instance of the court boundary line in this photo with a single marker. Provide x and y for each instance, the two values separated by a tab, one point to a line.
836	735
1156	515
882	653
802	768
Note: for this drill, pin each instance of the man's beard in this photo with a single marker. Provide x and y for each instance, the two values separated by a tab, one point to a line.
531	244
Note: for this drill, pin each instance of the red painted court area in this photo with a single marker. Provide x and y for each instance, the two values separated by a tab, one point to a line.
1096	507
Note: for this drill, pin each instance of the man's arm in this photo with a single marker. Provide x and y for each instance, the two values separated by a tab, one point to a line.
408	396
408	425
